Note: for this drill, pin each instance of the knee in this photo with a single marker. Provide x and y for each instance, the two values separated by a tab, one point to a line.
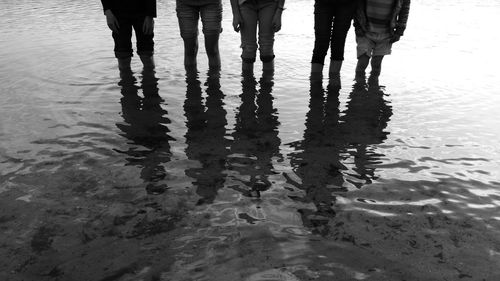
267	58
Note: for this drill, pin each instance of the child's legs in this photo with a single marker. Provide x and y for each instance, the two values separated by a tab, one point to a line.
123	39
211	17
145	42
376	64
323	17
364	49
381	47
248	32
188	17
343	14
266	32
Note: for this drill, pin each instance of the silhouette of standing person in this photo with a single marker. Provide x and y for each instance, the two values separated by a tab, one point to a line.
205	136
332	20
145	126
124	15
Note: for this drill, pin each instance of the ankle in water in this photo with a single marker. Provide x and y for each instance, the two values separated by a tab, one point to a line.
334	80
124	63
148	62
316	68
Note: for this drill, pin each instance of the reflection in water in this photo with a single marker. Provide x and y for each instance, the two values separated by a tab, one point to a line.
205	137
363	122
317	160
330	139
255	137
145	125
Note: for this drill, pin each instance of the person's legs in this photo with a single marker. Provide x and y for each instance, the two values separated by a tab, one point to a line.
266	13
211	16
376	64
382	47
188	17
362	64
343	14
323	17
145	44
248	32
123	43
364	50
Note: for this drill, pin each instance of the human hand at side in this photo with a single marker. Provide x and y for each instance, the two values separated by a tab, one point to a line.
237	23
277	21
395	38
148	25
112	21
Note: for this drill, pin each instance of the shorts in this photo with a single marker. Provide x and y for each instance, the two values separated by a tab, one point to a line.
374	44
189	15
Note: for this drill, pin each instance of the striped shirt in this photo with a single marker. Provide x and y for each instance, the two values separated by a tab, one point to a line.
379	14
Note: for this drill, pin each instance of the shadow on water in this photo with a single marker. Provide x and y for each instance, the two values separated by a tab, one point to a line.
331	138
145	125
205	136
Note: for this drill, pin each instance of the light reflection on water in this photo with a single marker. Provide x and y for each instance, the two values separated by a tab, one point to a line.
227	175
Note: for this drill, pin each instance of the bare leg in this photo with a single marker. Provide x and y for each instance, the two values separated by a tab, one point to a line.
124	63
148	62
316	67
363	61
376	64
361	66
334	73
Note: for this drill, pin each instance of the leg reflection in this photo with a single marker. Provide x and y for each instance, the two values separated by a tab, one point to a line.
255	138
364	121
145	126
205	137
317	160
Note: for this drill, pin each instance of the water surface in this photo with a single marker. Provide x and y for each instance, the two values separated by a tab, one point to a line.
168	175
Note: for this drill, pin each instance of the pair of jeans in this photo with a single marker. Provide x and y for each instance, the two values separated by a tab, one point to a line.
123	38
189	15
332	20
257	13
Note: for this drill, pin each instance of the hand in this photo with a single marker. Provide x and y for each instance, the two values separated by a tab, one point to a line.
112	21
395	38
237	23
148	25
277	21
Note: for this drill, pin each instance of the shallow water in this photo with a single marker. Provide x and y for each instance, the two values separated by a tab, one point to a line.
169	175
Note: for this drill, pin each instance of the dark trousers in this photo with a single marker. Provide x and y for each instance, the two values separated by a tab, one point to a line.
332	20
123	38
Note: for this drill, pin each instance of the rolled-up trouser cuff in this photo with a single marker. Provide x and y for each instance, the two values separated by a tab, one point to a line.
248	60
267	58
